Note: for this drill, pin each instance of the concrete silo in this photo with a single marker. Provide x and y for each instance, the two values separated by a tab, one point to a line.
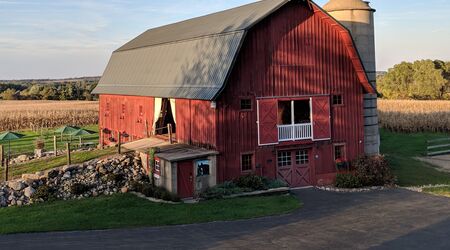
358	17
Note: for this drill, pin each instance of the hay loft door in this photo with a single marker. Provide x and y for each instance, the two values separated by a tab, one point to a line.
267	122
321	111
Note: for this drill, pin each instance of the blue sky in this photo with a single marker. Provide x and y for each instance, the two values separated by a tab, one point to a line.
67	38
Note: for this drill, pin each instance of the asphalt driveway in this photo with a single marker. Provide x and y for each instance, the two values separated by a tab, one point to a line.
393	219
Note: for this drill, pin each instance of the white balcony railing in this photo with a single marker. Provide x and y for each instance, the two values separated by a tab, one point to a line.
294	132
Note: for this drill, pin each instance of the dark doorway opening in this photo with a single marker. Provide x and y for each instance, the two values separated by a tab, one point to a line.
294	112
165	118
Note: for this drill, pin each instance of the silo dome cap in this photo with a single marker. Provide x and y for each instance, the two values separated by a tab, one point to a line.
335	5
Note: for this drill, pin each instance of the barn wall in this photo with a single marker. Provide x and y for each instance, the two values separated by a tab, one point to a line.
127	114
196	123
293	52
196	120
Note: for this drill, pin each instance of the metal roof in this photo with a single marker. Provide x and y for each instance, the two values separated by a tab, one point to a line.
236	19
190	59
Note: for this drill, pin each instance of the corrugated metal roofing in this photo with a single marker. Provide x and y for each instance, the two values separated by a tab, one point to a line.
236	19
194	69
190	59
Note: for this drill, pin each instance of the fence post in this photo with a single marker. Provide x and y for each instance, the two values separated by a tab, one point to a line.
4	162
55	145
119	143
169	129
69	160
2	157
101	138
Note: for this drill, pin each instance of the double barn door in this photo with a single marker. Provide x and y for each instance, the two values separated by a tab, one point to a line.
294	167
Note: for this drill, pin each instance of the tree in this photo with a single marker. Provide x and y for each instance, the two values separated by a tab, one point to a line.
9	94
424	79
395	84
429	81
33	92
48	93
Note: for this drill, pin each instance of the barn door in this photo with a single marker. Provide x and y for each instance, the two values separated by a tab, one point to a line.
321	118
185	179
267	122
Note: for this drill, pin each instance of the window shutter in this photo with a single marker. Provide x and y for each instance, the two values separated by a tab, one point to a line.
267	122
321	118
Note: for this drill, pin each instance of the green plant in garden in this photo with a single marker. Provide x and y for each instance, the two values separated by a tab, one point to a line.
373	171
243	184
253	182
45	193
152	165
348	180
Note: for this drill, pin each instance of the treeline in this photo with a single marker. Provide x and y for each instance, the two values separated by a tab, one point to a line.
420	80
75	90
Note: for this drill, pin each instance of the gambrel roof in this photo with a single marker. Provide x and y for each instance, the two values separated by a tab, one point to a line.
190	59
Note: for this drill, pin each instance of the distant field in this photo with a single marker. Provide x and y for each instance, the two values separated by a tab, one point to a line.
36	115
414	116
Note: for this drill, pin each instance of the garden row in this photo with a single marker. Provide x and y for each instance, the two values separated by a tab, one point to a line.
366	172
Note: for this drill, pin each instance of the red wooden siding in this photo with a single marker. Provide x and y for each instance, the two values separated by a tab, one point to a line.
293	52
127	114
196	120
196	123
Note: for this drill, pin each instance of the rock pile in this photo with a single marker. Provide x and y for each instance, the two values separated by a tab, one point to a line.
90	179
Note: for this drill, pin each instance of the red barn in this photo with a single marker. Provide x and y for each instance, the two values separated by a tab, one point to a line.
274	88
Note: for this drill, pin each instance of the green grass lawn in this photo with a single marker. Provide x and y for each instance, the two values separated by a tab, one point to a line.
401	149
25	145
46	164
443	191
127	210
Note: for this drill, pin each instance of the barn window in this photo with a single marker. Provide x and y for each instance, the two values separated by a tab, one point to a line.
284	158
246	104
203	167
141	110
302	157
338	100
339	152
247	162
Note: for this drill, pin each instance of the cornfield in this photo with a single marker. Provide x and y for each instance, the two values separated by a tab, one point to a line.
414	116
36	115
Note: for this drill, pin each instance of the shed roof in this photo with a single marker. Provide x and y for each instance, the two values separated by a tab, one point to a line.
190	59
167	151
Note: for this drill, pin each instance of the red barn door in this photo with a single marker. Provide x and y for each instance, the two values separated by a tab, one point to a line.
185	179
267	121
321	118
